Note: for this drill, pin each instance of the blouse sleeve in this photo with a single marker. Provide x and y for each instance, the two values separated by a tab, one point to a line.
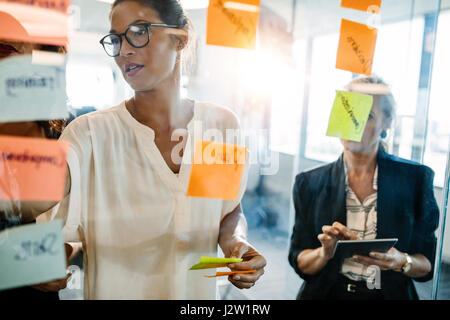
426	222
69	210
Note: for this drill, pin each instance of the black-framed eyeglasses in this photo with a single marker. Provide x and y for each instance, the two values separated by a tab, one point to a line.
137	35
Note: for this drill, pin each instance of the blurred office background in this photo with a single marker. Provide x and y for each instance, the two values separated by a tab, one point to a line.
287	87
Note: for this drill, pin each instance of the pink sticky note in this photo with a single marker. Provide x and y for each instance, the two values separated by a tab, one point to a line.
32	169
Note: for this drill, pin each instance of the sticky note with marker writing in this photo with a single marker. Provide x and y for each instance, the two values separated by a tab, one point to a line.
356	47
43	22
232	23
58	5
32	254
32	169
30	91
211	262
349	115
363	5
217	170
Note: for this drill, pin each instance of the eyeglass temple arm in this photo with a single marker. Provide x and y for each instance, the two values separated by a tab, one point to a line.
163	25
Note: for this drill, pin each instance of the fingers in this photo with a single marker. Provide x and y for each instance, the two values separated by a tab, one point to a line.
367	261
255	263
343	230
324	237
330	231
245	281
339	231
52	286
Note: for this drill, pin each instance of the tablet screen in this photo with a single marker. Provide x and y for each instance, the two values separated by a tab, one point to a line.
348	248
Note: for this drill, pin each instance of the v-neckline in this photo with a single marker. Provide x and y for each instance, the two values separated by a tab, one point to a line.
145	134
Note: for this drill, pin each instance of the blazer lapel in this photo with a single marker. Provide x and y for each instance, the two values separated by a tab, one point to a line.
385	227
337	192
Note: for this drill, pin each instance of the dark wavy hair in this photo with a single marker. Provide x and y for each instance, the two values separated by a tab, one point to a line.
53	128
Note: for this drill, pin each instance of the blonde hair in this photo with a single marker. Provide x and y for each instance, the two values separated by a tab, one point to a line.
376	86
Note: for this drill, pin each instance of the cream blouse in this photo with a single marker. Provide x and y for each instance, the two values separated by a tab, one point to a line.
139	230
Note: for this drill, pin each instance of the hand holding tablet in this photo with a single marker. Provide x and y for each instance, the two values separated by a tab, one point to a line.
349	248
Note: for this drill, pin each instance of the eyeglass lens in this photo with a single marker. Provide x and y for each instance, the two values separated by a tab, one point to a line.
136	35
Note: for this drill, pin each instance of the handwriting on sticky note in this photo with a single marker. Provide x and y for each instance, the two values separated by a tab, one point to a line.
363	5
32	169
217	170
233	23
349	115
32	254
221	274
34	23
59	5
31	92
211	262
356	47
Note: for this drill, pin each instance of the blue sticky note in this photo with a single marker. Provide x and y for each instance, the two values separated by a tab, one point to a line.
30	91
32	254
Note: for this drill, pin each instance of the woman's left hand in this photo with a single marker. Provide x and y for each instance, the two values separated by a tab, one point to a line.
252	260
391	260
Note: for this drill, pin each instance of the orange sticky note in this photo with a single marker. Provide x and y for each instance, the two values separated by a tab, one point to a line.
363	5
233	23
27	23
356	47
58	5
217	170
32	169
221	274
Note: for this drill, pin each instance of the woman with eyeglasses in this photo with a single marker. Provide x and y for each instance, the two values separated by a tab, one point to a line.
125	197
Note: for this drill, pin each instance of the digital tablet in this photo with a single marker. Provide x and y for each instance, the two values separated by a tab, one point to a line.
348	248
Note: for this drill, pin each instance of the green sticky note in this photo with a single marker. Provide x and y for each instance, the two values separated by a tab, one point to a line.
349	115
210	262
32	254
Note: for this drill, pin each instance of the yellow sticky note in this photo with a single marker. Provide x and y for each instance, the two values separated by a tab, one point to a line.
363	5
356	47
210	262
349	115
217	170
233	23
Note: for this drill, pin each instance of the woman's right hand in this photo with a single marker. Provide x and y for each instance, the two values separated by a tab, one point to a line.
331	235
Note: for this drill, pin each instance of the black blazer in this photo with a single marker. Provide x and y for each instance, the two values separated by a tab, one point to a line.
406	209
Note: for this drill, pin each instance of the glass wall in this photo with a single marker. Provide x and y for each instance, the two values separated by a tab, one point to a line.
285	89
283	92
438	154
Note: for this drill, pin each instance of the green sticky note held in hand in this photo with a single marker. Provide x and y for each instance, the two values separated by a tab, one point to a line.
209	262
349	115
32	254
